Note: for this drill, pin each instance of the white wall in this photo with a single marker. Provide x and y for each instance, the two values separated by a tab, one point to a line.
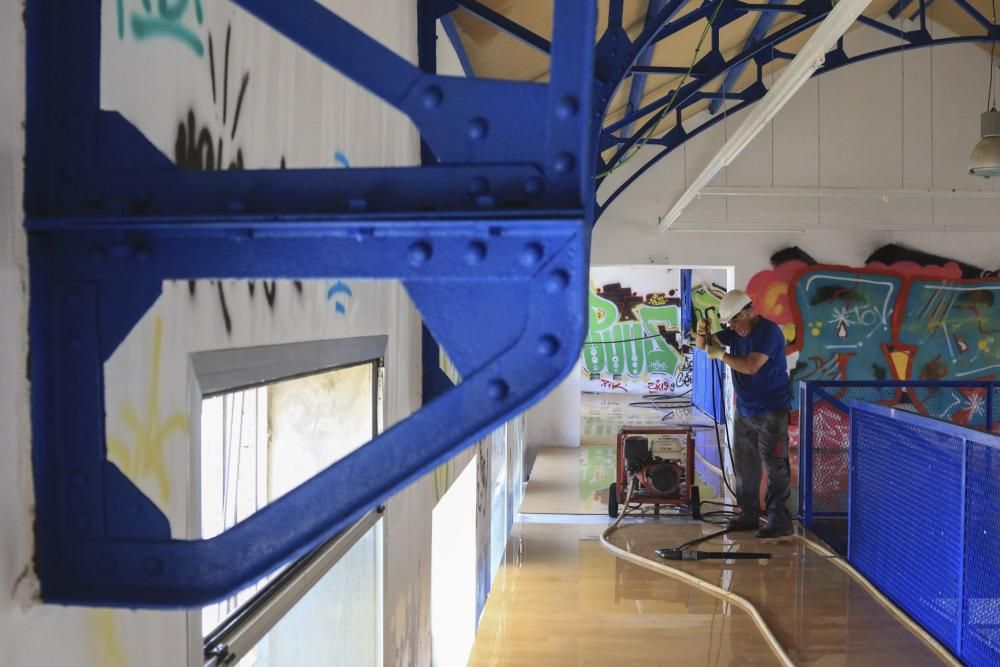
16	635
902	121
555	420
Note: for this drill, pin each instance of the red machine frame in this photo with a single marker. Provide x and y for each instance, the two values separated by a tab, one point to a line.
688	497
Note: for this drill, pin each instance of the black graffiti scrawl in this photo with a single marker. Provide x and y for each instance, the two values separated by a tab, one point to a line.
197	147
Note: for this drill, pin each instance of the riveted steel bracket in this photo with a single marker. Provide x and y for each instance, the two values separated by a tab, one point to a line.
498	229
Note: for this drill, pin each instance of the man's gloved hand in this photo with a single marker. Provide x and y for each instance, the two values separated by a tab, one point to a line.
702	328
714	351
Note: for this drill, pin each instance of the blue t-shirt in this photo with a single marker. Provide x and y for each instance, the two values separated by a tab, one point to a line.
768	389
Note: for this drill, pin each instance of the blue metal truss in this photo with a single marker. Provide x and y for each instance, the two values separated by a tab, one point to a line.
760	49
497	222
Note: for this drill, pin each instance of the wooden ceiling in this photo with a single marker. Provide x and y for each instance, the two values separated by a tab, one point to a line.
495	54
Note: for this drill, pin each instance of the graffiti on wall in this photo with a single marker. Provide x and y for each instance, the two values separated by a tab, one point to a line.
179	21
635	343
140	454
904	315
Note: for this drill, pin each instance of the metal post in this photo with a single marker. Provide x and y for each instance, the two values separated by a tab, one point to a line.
805	454
851	479
961	542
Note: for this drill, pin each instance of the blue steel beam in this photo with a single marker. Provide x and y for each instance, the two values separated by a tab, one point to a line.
899	8
451	30
760	29
109	219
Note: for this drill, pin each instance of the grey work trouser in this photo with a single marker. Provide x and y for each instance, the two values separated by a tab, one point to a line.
763	439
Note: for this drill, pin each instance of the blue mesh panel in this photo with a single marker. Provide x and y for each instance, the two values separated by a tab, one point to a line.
905	522
705	383
981	638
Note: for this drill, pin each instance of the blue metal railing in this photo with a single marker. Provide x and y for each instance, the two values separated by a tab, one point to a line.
924	523
824	436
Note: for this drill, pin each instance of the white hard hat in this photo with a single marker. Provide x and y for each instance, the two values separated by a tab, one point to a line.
732	304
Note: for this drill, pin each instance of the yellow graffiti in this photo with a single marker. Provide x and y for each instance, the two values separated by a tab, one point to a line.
106	647
145	456
901	362
772	299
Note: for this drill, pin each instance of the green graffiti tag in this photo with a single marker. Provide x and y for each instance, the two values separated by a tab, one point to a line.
630	348
165	19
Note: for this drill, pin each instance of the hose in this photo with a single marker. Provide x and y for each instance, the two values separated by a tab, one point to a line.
700	584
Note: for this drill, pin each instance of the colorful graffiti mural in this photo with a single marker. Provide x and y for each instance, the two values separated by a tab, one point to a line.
635	343
905	315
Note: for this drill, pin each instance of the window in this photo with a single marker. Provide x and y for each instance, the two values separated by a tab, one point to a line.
259	442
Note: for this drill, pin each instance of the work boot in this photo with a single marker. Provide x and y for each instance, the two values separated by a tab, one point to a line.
775	529
743	521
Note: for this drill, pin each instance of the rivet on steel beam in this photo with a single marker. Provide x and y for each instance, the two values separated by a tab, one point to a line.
567	108
532	186
564	163
478	185
548	345
532	254
478	128
556	281
431	97
419	253
498	389
475	252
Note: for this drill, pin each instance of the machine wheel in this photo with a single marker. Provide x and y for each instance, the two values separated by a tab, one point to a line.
695	502
613	501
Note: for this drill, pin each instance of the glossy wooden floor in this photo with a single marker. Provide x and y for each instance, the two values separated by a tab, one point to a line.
562	599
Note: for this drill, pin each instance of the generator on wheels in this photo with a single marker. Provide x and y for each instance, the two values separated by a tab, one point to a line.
660	464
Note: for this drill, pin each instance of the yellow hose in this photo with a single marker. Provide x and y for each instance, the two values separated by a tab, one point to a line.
692	580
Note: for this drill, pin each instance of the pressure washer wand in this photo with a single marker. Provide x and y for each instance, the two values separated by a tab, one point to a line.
678	554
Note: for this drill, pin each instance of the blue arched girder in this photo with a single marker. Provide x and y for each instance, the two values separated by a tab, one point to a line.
760	49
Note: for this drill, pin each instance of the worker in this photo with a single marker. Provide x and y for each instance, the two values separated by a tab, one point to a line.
760	377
